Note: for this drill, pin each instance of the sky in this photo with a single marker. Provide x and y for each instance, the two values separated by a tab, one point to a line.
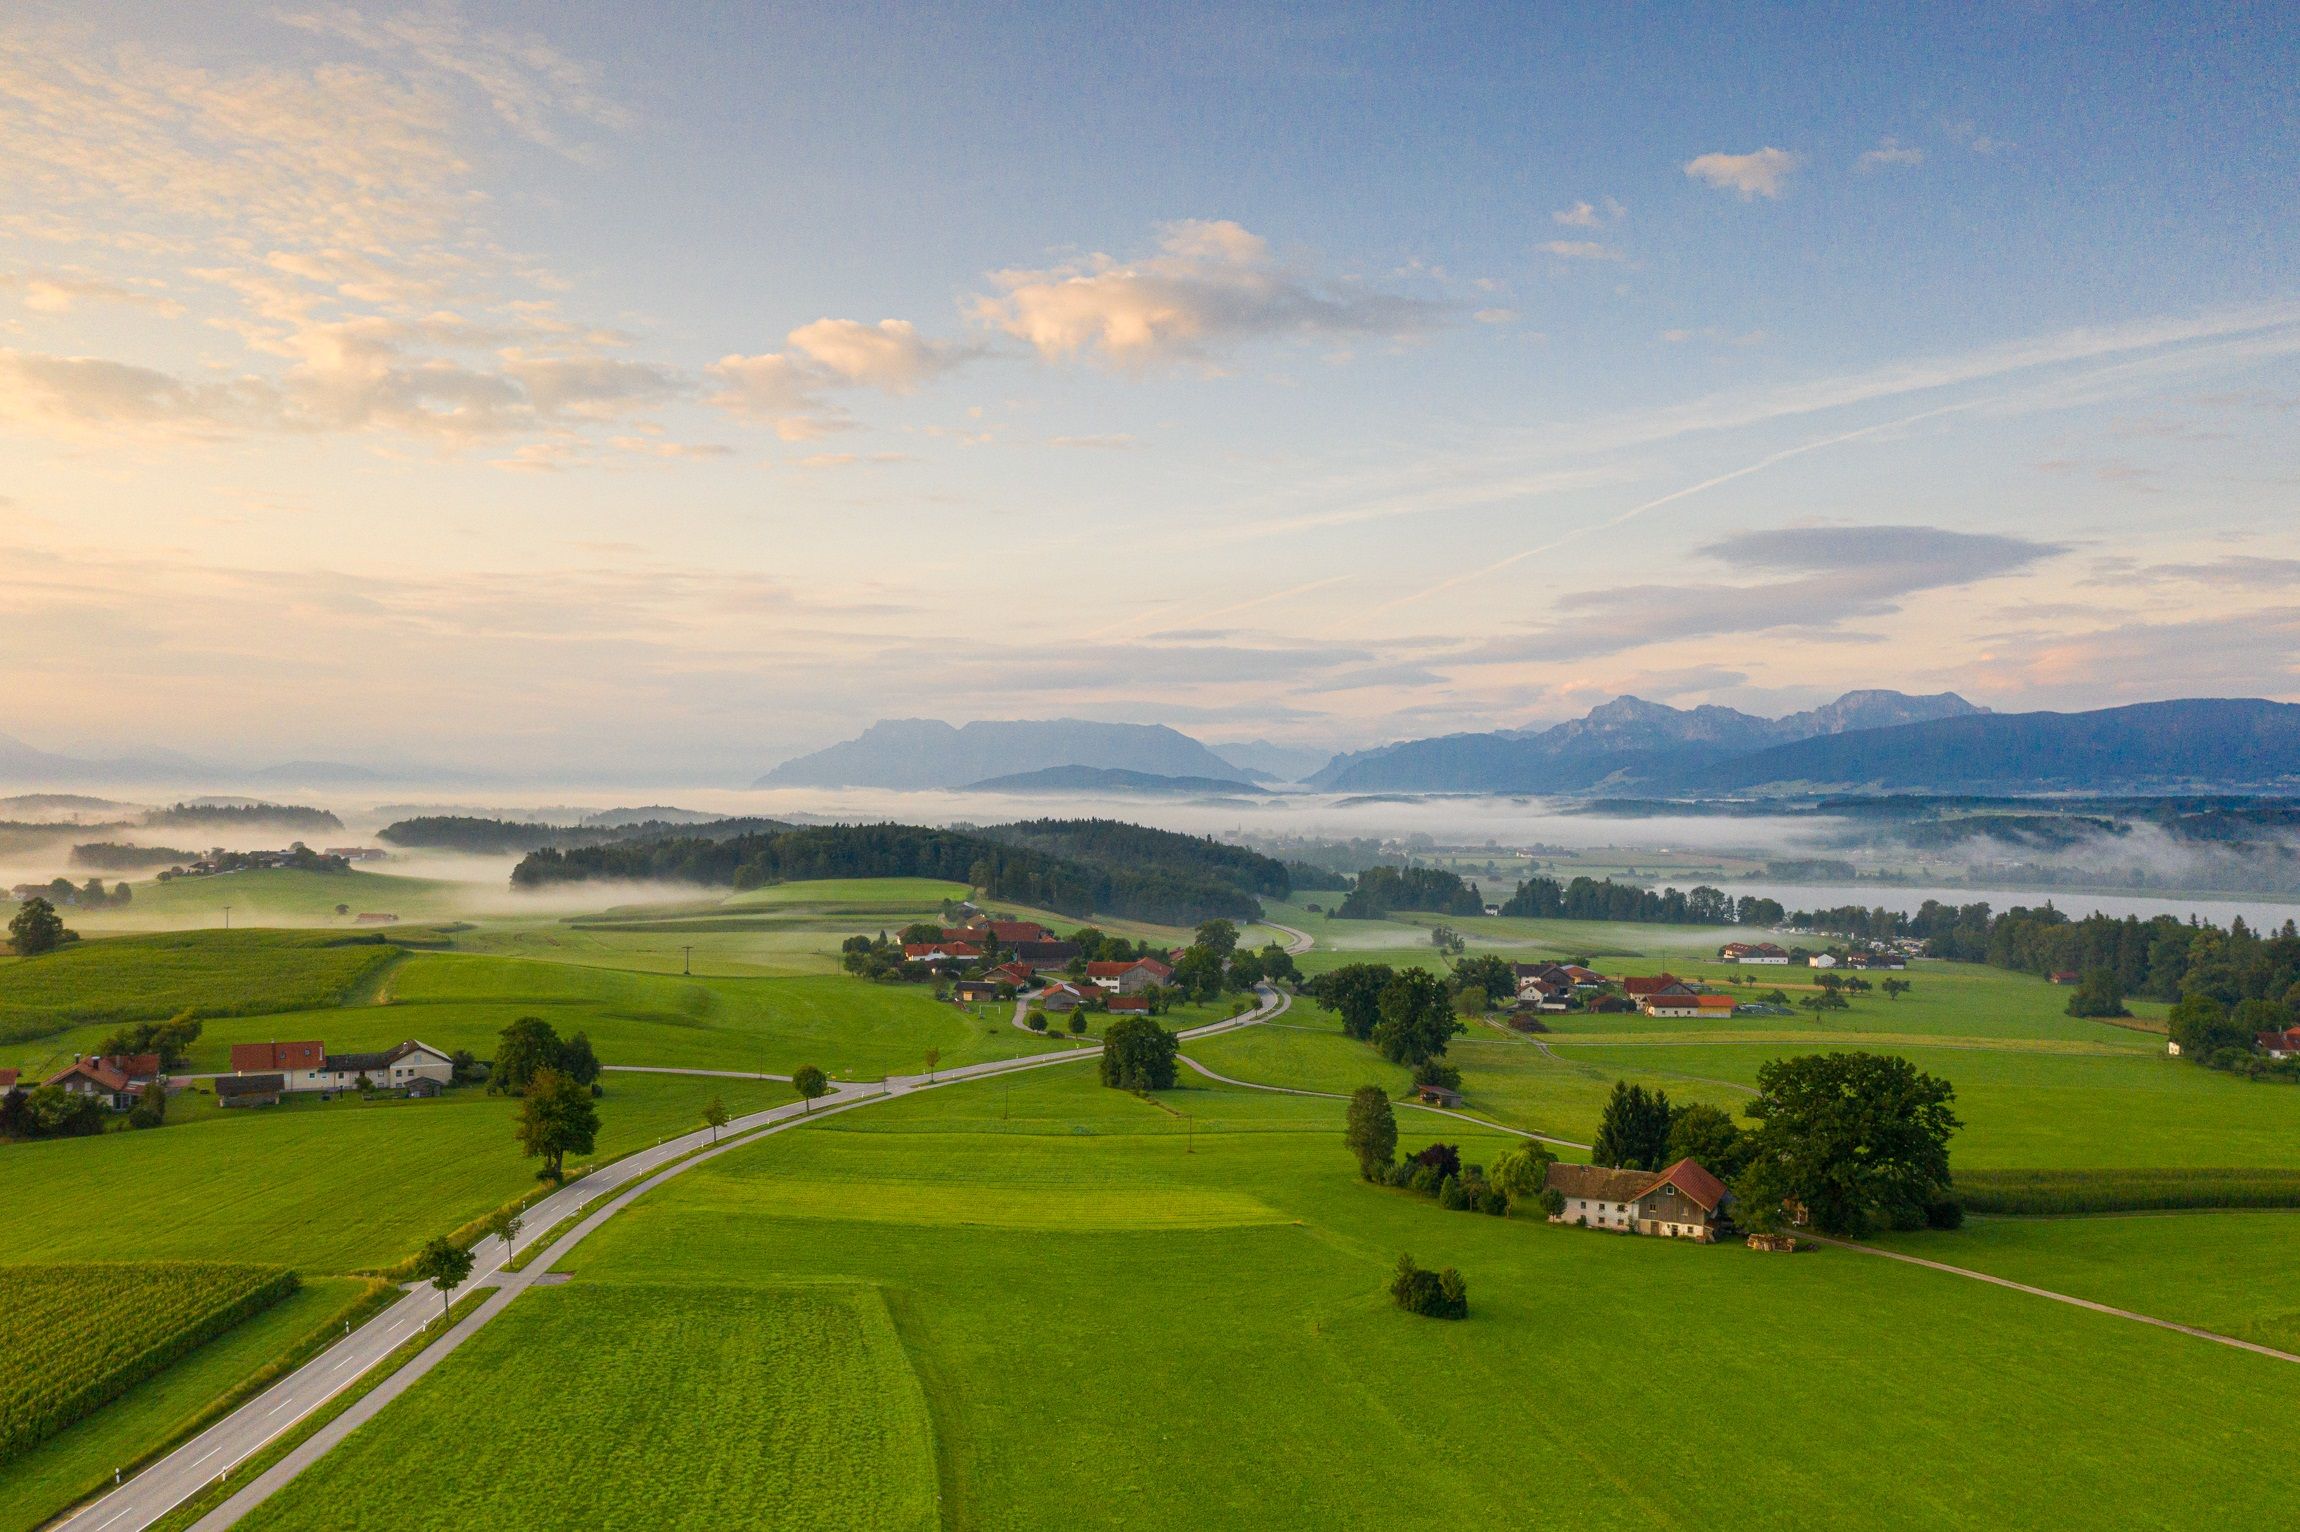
580	389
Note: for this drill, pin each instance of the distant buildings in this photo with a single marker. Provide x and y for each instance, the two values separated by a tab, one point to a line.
1761	953
264	1072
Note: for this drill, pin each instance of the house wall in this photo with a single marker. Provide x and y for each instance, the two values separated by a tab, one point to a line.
1666	1208
1599	1215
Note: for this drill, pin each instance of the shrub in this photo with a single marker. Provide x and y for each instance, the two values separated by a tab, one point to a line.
1452	1195
1493	1203
1437	1072
1036	1021
1445	1157
1552	1202
1432	1294
1947	1213
1426	1179
1077	1021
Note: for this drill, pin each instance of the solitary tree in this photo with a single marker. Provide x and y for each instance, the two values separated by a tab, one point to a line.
1372	1132
524	1049
556	1118
37	928
2098	995
809	1082
715	1116
505	1224
1138	1055
1894	988
933	1060
1633	1133
444	1264
1854	1138
1417	1017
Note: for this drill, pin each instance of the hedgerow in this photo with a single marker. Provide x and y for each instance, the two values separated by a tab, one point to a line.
2124	1191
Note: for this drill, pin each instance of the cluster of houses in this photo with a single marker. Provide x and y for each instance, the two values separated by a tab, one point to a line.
1683	1202
264	1072
1772	954
1558	986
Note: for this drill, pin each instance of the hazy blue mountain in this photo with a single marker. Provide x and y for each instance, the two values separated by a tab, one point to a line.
1268	761
1618	740
2196	743
915	753
1110	779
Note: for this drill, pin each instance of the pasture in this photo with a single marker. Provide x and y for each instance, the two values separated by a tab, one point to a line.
210	973
788	1407
1198	1320
341	1186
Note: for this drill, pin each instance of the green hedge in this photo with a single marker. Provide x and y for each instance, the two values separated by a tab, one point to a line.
2124	1191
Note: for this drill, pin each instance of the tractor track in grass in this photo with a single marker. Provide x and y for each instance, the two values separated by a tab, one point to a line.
210	1456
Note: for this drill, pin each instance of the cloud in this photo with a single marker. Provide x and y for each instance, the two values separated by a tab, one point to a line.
1962	131
1888	153
1761	173
2235	571
1580	250
60	292
1210	286
1834	575
1584	216
889	355
1110	441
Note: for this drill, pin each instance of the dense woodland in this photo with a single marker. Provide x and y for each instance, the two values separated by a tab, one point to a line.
1384	889
1165	877
496	837
1604	899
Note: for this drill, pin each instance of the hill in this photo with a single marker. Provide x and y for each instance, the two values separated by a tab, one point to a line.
2217	743
1625	739
1108	779
909	754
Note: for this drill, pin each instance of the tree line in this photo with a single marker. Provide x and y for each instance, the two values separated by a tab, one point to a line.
1586	898
1161	892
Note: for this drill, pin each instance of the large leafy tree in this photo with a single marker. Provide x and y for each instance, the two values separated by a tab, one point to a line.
1138	1054
1858	1139
1219	937
1709	1136
1372	1131
556	1119
1354	991
1633	1134
1487	972
2202	1026
36	928
1521	1174
523	1050
1417	1017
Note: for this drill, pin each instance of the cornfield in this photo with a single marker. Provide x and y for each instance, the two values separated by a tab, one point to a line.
80	1336
2124	1191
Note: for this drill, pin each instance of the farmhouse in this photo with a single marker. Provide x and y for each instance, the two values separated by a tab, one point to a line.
250	1090
301	1066
974	989
116	1079
1683	1202
940	954
1020	975
2279	1045
8	1079
1128	978
1062	995
1660	984
1753	952
1044	954
1006	933
1695	1006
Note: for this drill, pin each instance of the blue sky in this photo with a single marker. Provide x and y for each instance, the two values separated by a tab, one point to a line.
486	384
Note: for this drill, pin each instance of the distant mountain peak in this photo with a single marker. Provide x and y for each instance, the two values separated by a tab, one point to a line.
912	754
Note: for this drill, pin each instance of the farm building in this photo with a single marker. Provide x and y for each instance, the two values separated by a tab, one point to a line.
1062	995
1437	1095
1683	1202
1692	1006
1129	1005
303	1066
1753	952
250	1090
8	1078
2279	1045
1128	978
974	989
116	1079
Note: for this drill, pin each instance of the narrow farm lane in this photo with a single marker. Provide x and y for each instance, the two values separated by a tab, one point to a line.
1434	1111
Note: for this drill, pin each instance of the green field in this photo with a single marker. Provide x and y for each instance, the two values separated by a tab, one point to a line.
277	896
2229	1272
35	1486
99	984
788	1407
335	1187
1119	1322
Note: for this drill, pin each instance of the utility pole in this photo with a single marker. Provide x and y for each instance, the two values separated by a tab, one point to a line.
227	917
687	965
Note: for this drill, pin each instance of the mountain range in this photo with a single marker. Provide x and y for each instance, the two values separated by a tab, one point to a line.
1625	738
911	754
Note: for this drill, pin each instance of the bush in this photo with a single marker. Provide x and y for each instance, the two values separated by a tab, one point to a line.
1445	1157
1552	1202
1493	1203
1452	1195
1426	1179
1036	1021
1947	1213
1077	1021
1437	1072
1432	1294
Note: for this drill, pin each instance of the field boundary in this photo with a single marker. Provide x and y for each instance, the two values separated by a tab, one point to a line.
2068	1298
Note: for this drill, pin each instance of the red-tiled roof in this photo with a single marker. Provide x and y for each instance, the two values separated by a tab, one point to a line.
92	1069
913	952
136	1066
7	1080
1160	971
259	1058
1688	1177
1635	988
1130	1003
1106	970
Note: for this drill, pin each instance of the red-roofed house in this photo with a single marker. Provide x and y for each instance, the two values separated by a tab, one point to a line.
1128	978
7	1081
1128	1005
1019	975
940	954
1696	1006
117	1080
2279	1045
1062	995
1683	1202
265	1058
1659	984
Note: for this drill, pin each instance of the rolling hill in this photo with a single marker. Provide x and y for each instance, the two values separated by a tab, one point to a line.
909	754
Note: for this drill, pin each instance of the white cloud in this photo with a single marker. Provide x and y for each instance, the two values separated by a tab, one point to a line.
1212	284
1495	316
1580	250
60	292
1583	215
1761	173
1888	153
889	355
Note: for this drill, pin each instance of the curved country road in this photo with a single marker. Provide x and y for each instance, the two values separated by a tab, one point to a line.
215	1452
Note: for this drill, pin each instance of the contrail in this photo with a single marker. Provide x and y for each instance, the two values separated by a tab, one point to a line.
1636	511
1252	601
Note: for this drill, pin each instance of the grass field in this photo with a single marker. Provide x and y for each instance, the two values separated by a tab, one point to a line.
787	1407
2229	1272
1196	1335
335	1187
276	896
35	1486
218	973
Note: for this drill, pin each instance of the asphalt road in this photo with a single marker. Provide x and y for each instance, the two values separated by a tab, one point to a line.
216	1452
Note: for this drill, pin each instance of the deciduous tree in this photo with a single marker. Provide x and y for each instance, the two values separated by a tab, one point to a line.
1372	1130
1857	1138
36	928
556	1118
1354	992
714	1116
1417	1017
809	1082
445	1265
1138	1054
1633	1133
